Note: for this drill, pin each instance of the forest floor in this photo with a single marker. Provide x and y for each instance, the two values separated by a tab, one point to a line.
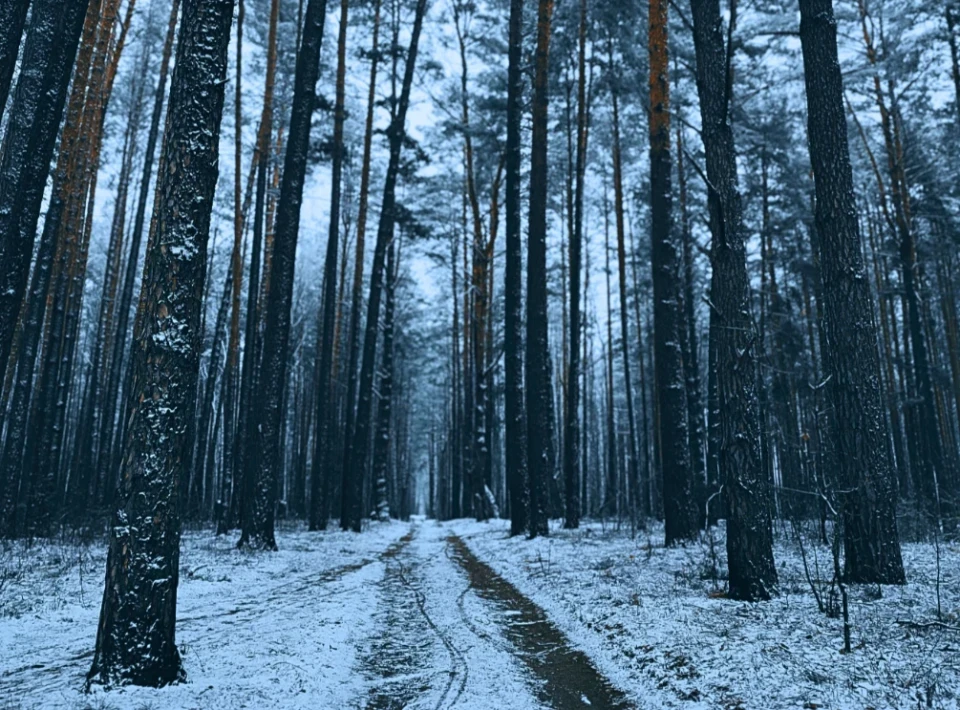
431	615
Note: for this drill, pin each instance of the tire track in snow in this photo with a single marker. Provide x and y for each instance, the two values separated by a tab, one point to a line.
569	679
394	663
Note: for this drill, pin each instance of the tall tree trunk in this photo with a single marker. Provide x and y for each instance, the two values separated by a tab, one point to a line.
136	640
515	421
320	506
633	475
953	18
358	434
117	383
865	476
537	363
572	435
612	502
325	386
258	530
680	515
753	575
13	15
691	341
232	371
381	450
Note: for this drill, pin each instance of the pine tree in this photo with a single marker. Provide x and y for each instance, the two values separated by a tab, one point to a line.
13	16
515	420
35	116
358	428
537	362
865	480
136	641
753	574
678	505
258	522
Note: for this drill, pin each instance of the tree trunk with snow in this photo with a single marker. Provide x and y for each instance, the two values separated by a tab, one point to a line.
136	640
746	488
865	479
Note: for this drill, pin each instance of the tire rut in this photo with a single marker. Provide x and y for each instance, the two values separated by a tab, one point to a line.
394	664
568	678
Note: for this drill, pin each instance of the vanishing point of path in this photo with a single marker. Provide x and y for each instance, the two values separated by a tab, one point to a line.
451	633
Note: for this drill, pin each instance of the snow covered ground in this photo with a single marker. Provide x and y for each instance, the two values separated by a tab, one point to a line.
423	616
652	617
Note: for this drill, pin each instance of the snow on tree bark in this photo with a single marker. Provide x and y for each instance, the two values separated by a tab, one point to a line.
136	640
746	488
865	481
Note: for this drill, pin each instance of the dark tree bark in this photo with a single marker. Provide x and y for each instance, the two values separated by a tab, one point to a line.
136	640
953	19
865	479
691	341
259	518
572	433
28	144
358	433
13	15
231	376
537	363
325	392
632	470
679	512
612	503
515	422
381	450
320	499
753	575
246	454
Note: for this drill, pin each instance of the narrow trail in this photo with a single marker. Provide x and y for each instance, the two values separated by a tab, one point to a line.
453	634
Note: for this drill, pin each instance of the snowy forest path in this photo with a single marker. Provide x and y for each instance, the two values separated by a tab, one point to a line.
452	633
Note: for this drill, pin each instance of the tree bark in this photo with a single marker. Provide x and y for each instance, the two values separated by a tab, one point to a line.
358	434
326	400
13	16
515	421
136	640
258	527
117	384
753	574
865	477
537	363
680	519
35	115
